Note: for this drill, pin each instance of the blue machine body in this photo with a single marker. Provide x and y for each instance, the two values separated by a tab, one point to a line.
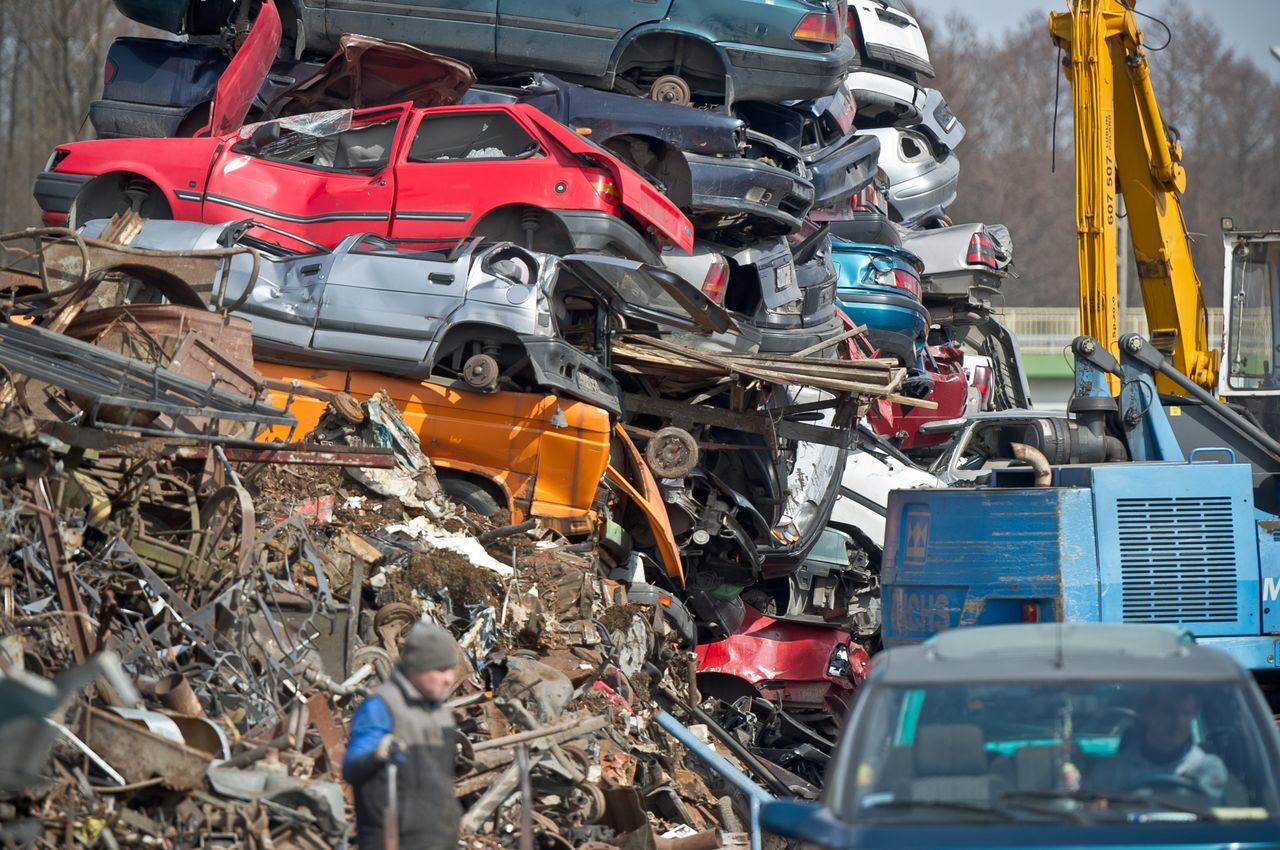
1155	542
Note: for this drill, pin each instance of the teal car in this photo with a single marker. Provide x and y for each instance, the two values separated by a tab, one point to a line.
768	50
879	287
1049	736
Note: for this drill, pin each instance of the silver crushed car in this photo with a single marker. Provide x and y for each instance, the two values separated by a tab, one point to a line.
489	316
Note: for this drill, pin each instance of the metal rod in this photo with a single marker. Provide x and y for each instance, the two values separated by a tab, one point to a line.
754	793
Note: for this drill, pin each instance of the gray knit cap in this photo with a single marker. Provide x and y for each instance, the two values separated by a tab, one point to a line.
428	647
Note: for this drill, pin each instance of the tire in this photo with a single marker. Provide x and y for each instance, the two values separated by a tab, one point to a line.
475	497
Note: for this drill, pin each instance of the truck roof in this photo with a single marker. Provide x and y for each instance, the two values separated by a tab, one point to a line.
1056	652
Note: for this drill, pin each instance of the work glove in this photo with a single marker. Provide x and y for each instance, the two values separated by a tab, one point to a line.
390	748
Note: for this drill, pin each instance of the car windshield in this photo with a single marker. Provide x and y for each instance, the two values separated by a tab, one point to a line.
1060	752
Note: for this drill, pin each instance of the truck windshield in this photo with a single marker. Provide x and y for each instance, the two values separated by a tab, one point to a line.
1060	752
1253	322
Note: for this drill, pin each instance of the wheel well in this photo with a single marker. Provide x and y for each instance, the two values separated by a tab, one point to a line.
108	194
653	157
511	224
487	484
652	54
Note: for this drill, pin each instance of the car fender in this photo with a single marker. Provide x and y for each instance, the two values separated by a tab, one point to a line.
180	175
639	197
660	28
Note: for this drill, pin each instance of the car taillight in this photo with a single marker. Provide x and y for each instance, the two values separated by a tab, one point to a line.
906	280
868	200
818	26
716	281
981	381
108	71
604	186
1031	612
982	250
851	27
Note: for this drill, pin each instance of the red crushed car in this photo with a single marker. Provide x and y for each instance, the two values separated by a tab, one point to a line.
425	169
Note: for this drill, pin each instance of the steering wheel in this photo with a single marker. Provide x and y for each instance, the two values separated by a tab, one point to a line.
1153	781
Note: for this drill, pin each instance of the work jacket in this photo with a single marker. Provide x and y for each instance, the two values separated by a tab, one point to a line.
428	812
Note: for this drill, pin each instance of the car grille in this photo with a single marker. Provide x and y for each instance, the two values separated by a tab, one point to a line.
1176	559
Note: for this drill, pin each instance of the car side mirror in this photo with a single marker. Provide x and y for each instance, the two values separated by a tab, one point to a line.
809	822
265	135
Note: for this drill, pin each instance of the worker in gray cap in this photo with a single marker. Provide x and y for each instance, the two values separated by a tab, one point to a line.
400	758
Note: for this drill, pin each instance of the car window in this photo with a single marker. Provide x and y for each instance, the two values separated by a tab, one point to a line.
328	140
651	293
470	136
1099	751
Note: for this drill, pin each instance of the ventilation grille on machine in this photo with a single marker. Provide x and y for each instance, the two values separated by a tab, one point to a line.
1177	562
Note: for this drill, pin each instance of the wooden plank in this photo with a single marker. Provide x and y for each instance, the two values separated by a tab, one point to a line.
835	340
752	423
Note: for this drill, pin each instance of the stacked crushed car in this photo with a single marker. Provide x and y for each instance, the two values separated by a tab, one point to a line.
676	295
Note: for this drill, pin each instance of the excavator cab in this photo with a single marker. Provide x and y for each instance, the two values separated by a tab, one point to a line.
1250	374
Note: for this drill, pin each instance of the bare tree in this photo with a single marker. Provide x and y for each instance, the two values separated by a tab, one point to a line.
1225	109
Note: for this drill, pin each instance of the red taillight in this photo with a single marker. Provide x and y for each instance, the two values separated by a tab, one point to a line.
716	281
906	280
108	71
1031	612
604	186
982	250
981	381
818	26
851	27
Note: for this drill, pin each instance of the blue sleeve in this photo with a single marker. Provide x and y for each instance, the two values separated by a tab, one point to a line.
370	725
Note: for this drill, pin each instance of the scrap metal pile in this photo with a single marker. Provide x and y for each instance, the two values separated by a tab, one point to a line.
194	600
612	387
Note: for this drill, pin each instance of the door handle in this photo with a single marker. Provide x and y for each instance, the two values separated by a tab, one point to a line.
314	268
440	278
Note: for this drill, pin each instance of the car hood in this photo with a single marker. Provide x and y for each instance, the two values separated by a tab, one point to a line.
368	72
239	84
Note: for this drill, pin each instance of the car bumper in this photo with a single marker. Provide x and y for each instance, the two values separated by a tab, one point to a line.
558	366
972	285
879	94
838	173
775	75
918	197
55	192
895	322
114	119
593	232
734	187
867	227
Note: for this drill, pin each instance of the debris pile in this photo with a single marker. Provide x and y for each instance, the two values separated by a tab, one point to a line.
190	618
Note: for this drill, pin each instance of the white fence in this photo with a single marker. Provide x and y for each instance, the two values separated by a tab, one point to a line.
1049	330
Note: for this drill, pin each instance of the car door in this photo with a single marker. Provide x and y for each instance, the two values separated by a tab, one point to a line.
385	305
310	180
649	293
462	29
571	36
460	163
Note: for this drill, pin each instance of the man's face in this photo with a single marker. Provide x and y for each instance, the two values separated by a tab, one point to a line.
433	684
1168	721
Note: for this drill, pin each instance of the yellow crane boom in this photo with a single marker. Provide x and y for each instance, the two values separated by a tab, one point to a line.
1123	147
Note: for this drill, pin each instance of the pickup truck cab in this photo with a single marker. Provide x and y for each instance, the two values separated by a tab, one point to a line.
1050	736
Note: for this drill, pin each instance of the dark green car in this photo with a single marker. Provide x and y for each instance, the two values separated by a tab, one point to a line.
768	50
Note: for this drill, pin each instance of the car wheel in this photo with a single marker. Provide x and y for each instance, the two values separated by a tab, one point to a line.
670	88
471	495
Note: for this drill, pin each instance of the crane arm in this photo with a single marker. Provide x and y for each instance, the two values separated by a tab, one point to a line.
1123	147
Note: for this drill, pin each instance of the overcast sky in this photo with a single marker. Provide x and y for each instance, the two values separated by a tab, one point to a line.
1250	27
